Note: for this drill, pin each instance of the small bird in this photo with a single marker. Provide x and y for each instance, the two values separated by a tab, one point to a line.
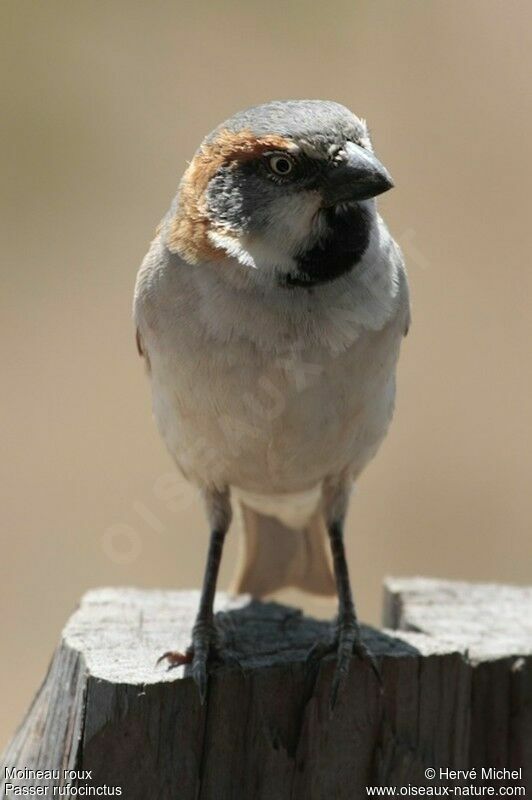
269	310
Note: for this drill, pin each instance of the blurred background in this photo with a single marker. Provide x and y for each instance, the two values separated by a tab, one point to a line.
102	104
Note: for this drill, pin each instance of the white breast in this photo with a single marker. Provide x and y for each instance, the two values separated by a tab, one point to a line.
271	393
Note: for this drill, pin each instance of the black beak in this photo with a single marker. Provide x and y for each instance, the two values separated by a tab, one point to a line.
359	176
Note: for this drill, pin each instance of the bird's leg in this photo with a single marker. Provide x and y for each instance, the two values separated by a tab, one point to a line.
347	640
204	634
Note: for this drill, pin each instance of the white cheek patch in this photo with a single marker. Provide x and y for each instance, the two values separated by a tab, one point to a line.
255	252
292	225
233	246
294	220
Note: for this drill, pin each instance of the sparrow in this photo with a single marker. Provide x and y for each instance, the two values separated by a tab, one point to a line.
269	311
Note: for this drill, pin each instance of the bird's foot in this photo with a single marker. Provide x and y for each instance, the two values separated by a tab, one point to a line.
204	650
346	642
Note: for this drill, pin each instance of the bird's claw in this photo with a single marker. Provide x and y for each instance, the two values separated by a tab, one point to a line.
346	643
175	658
204	650
319	650
349	644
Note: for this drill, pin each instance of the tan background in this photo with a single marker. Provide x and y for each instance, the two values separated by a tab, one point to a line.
103	102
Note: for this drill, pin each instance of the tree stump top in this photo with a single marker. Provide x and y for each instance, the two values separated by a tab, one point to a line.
485	620
120	632
456	663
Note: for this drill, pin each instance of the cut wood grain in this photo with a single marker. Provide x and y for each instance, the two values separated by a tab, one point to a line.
456	661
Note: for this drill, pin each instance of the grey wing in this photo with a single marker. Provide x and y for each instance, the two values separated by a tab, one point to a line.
404	291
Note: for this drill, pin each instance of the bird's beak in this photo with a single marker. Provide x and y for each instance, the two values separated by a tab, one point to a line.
359	176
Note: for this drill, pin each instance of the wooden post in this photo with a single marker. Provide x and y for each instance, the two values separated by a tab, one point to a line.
456	661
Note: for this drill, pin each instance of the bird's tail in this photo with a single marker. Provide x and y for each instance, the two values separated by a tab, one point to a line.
274	556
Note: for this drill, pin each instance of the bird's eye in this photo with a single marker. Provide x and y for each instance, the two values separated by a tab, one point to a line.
281	165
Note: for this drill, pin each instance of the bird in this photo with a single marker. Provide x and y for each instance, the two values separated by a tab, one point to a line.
270	311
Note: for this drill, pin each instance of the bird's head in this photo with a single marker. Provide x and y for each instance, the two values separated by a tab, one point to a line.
285	188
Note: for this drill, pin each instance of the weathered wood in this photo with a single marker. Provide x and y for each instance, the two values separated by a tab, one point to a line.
457	674
492	625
